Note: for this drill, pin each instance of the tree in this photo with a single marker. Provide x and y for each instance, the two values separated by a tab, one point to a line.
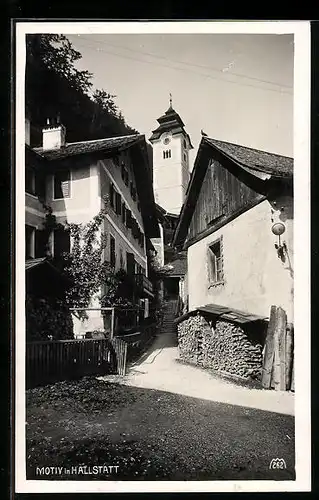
90	274
54	86
56	53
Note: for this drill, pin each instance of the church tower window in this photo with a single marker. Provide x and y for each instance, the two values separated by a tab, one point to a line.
167	153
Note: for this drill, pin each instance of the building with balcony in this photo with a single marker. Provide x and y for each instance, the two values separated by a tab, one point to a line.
72	180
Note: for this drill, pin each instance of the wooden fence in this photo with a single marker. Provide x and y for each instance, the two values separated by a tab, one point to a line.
120	348
278	363
50	361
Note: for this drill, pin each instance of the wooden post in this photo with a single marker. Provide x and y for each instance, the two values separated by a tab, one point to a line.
112	322
289	355
279	334
269	350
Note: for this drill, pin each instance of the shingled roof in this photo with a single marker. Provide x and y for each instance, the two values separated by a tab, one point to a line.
84	147
178	265
262	161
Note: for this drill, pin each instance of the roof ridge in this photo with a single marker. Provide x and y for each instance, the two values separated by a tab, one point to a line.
104	139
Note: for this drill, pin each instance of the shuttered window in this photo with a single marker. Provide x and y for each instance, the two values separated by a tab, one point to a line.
62	184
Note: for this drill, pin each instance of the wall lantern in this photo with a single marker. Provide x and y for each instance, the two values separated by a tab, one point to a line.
278	229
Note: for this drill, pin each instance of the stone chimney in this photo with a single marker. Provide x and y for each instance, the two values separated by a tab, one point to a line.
53	135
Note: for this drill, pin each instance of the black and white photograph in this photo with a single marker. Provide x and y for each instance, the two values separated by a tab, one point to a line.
162	256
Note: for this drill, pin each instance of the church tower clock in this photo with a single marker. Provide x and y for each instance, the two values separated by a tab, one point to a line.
171	145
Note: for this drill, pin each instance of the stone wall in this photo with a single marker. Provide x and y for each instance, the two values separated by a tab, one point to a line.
222	346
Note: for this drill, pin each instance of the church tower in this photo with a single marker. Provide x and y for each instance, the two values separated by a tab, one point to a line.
171	145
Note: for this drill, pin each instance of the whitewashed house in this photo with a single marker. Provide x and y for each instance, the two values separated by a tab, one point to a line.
238	202
73	179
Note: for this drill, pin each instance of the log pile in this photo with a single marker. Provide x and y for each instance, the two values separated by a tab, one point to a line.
223	347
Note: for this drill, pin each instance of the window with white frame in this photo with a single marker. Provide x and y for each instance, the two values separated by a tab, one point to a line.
62	184
215	262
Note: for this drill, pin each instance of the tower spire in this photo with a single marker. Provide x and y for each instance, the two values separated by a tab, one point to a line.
170	100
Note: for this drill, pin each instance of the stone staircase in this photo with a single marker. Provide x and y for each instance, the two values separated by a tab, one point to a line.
168	326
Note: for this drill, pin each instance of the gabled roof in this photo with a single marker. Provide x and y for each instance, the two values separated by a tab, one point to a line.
85	147
259	164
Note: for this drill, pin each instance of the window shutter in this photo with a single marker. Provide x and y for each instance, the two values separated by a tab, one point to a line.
118	204
128	219
135	229
123	212
112	251
111	195
65	185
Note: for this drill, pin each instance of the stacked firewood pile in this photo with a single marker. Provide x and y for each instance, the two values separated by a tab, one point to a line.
224	347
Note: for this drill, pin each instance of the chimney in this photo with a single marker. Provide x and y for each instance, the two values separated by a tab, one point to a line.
53	135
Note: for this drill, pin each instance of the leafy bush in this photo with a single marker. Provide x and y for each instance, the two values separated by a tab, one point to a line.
47	319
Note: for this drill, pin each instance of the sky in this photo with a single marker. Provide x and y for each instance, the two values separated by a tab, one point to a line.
237	88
